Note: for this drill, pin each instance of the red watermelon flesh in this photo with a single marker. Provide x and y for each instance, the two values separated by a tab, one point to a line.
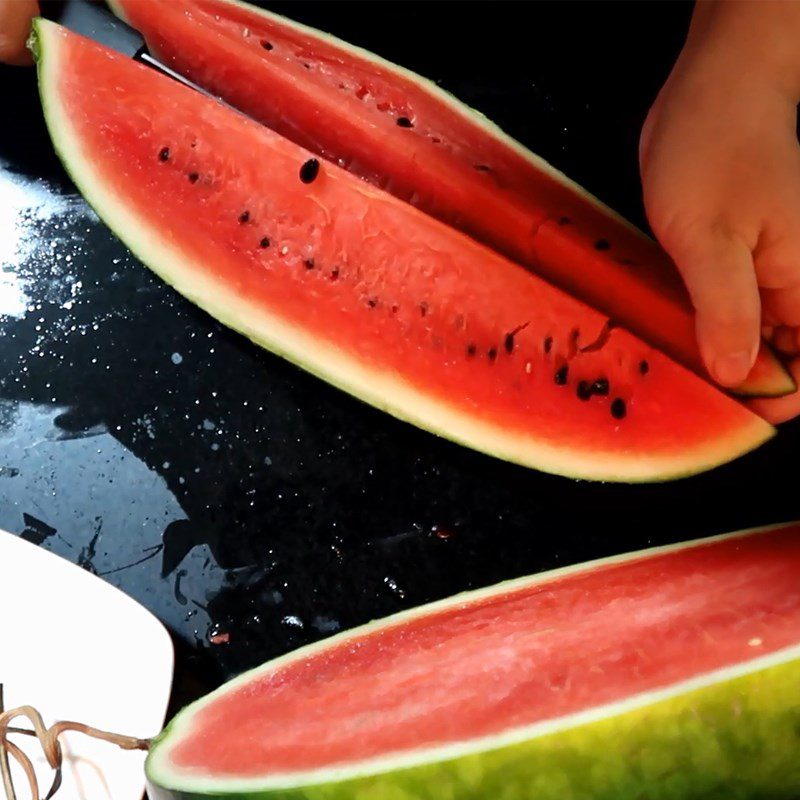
407	136
368	292
510	657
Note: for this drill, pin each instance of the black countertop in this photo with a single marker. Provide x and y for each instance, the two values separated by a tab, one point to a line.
250	506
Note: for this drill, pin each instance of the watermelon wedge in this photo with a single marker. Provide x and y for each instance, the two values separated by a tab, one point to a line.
406	135
366	291
671	673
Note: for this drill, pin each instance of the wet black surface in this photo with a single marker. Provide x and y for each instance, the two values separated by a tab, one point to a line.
250	506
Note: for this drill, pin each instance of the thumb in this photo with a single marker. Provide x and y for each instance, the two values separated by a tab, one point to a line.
719	273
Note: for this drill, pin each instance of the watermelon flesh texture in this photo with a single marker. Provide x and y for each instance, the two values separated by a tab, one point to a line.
407	136
669	674
368	292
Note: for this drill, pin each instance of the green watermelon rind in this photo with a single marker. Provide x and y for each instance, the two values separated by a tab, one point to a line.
733	733
750	388
382	389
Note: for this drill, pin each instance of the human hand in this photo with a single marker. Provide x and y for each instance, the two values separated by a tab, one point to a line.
720	167
15	25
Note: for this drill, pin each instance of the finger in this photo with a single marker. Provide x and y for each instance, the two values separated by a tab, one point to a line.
779	409
786	339
777	260
15	26
719	274
783	305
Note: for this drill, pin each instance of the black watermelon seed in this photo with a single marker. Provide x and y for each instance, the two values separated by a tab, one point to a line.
395	309
436	140
404	122
264	242
644	367
562	374
492	353
618	408
163	154
584	390
508	343
602	244
309	171
309	263
548	344
600	386
564	221
423	309
471	350
193	177
483	167
244	217
372	302
335	273
266	45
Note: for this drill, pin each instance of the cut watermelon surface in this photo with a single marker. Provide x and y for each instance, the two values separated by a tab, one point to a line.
367	291
406	135
670	673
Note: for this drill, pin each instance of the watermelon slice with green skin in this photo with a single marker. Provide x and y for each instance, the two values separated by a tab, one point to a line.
368	292
669	674
409	137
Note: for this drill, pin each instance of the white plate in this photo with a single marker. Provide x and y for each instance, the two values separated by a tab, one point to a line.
76	648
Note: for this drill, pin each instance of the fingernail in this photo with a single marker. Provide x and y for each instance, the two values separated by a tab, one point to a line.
732	368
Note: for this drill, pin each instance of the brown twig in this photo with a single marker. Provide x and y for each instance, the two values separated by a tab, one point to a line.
48	739
5	767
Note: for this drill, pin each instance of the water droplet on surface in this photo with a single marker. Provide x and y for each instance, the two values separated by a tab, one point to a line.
392	584
326	624
176	358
